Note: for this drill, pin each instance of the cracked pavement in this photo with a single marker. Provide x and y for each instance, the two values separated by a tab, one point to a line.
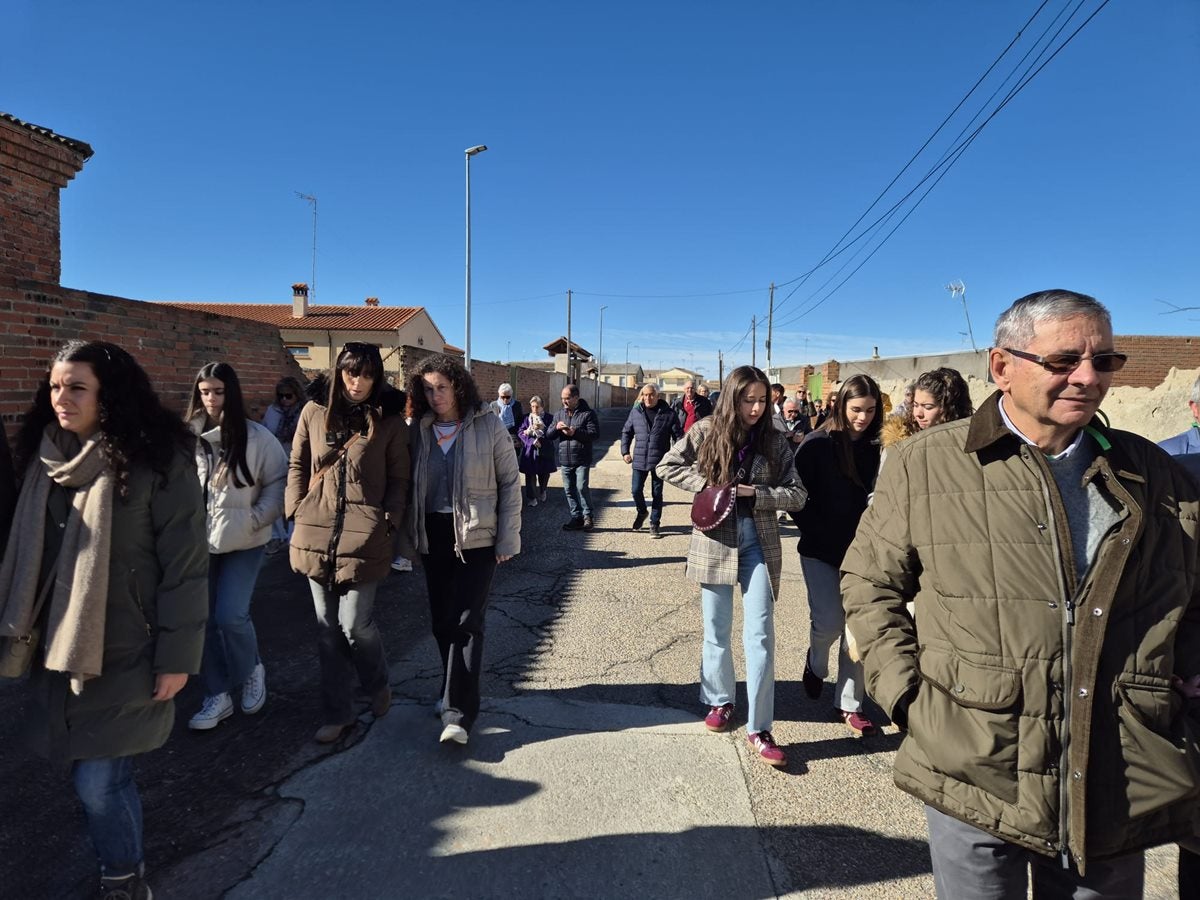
589	772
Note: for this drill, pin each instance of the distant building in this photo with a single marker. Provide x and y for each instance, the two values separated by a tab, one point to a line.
623	375
671	381
581	362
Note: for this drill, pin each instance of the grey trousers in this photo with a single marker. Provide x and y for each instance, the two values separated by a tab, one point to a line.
970	864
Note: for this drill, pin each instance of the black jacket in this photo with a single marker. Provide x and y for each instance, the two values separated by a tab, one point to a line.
703	408
575	450
655	430
829	519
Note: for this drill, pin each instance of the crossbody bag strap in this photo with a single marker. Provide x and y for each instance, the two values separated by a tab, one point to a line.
337	457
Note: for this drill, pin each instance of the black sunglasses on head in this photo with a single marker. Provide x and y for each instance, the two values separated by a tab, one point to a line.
1065	363
357	347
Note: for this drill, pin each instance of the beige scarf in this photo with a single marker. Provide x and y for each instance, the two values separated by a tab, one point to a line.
74	639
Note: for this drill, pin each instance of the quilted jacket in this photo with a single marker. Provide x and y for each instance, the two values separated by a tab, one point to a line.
1039	705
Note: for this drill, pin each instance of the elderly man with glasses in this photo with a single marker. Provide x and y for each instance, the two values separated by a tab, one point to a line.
646	437
509	412
1052	565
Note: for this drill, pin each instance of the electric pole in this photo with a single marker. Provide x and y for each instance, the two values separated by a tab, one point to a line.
754	341
570	380
312	294
770	327
720	367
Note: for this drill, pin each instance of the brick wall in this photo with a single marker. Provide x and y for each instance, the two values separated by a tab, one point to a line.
33	169
1151	357
170	344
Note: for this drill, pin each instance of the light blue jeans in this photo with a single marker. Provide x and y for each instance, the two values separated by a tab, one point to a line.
113	811
578	492
829	625
230	643
717	683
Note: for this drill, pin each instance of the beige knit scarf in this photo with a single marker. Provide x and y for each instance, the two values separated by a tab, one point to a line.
74	639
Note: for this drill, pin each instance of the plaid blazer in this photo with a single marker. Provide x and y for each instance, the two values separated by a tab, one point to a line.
713	555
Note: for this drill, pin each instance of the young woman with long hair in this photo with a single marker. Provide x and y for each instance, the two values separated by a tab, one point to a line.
939	395
108	541
243	471
347	491
738	443
464	520
837	464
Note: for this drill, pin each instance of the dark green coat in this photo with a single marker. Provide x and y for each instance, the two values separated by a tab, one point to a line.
1043	707
154	623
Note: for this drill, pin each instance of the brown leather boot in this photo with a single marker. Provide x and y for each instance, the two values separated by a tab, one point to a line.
327	734
381	701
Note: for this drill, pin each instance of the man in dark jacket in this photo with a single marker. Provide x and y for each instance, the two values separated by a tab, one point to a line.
575	428
1052	565
691	407
655	427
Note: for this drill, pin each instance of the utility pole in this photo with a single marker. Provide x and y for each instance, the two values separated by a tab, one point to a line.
570	380
312	294
754	341
958	289
600	356
770	327
720	366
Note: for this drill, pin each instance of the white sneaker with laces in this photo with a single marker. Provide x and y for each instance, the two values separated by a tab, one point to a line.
212	712
254	691
402	564
455	733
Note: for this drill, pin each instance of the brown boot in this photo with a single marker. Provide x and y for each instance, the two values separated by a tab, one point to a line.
381	701
327	734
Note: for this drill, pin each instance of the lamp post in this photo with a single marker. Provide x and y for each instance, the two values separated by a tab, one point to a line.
600	356
469	152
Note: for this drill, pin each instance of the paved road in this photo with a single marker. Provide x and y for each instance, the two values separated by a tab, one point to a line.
589	773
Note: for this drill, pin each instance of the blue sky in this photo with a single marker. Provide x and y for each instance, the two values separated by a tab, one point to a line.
666	160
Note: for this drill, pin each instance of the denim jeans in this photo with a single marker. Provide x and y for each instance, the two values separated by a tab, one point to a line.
717	683
575	486
113	811
828	626
347	640
656	494
970	862
230	644
458	599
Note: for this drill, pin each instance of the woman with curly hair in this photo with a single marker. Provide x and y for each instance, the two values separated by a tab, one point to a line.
464	519
347	491
837	464
105	574
243	470
940	396
738	444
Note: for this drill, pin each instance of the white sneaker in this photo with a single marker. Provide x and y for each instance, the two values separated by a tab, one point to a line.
533	502
542	495
254	691
214	709
455	733
402	564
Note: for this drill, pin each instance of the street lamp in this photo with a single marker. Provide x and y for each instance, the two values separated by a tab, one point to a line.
469	152
600	356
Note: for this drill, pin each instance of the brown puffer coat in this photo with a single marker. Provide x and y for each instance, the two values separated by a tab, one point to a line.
344	521
1043	709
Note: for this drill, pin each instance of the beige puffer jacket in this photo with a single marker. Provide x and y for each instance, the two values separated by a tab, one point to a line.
1043	709
240	518
487	486
344	521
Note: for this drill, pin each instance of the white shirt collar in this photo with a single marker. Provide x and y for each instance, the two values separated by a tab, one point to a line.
1071	448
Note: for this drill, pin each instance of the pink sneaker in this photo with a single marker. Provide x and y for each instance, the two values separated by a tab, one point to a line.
718	717
764	745
858	723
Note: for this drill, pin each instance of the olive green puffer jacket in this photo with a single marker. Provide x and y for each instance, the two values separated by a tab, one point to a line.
1043	709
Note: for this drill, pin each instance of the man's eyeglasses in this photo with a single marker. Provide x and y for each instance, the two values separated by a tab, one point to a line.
506	396
1065	363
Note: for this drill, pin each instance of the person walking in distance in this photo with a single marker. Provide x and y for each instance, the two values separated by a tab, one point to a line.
1052	563
243	470
104	573
574	429
738	445
1187	441
280	419
464	520
347	491
691	407
537	453
837	465
648	433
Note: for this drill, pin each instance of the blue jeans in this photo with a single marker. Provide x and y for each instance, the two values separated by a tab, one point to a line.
230	644
717	683
347	640
575	486
829	626
656	494
113	811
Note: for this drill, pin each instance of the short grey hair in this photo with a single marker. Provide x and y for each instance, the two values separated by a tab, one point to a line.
536	399
1196	391
1018	324
505	388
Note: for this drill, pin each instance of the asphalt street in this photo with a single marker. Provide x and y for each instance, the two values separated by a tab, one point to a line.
588	774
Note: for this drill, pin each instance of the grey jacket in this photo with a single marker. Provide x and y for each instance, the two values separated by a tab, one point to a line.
487	487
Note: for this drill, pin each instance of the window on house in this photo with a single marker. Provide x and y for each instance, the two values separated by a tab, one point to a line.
300	351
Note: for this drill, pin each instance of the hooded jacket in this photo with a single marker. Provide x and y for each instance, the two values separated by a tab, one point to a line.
344	520
486	494
1039	705
651	432
240	518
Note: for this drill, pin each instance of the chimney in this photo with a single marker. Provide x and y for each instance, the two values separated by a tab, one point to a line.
372	301
299	300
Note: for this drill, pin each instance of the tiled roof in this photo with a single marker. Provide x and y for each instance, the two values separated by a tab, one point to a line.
84	150
341	318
